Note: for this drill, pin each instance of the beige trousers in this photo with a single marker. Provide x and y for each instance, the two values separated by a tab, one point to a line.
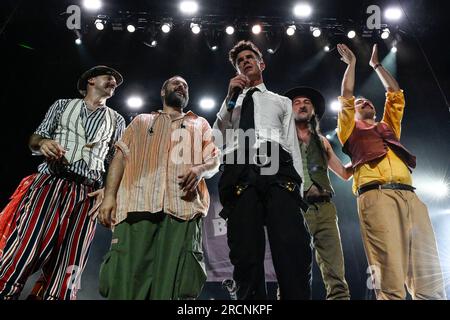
400	245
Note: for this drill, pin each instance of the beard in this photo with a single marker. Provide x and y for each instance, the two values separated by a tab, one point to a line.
303	118
175	100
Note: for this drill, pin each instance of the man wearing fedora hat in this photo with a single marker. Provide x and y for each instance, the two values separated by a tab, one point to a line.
317	156
50	221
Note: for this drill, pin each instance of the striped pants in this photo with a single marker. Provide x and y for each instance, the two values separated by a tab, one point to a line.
51	231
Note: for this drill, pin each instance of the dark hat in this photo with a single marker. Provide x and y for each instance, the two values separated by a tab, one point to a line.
94	72
316	97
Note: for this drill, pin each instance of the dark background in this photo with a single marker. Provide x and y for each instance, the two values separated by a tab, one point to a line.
41	63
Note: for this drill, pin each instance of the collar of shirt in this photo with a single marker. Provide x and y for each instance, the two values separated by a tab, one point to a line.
260	86
182	116
90	111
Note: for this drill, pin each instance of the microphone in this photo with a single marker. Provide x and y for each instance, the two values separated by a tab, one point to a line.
232	102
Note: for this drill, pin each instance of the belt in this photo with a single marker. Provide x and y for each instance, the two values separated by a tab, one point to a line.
391	186
316	199
71	176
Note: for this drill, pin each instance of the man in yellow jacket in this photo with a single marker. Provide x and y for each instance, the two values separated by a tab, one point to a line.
397	233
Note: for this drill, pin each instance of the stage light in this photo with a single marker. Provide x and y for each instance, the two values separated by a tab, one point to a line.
441	189
435	188
154	43
99	24
131	28
207	103
271	51
78	41
394	49
92	4
256	29
302	10
214	48
188	7
385	34
166	27
393	14
335	106
229	30
351	34
195	28
290	31
326	49
316	32
135	102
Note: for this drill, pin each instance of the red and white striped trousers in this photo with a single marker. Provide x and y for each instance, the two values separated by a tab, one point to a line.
52	231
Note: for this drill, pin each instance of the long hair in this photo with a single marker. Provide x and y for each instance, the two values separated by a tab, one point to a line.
314	125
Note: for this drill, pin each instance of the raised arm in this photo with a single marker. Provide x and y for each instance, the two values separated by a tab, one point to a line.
389	83
348	81
346	116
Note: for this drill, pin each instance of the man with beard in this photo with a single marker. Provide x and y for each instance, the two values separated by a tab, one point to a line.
397	233
161	165
47	225
317	155
260	188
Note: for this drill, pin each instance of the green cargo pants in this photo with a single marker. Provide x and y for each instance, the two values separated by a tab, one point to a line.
156	257
321	219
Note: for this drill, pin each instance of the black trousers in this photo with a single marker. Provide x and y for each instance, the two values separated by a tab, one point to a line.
266	203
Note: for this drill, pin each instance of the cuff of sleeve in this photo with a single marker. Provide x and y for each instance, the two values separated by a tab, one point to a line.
43	134
224	114
395	95
347	103
124	148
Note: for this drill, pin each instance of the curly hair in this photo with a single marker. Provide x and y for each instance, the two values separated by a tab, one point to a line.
241	46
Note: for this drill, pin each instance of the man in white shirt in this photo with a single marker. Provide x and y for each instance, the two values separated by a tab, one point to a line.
261	182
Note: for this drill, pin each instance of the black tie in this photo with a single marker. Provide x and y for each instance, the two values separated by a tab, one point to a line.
247	120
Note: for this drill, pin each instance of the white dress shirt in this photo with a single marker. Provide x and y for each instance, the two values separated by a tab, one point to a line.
274	121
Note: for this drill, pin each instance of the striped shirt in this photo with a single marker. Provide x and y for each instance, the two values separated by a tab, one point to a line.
157	150
91	121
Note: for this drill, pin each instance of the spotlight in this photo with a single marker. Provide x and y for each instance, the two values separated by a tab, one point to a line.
166	27
256	29
131	28
393	14
271	51
302	10
195	28
78	41
99	24
92	4
154	43
229	30
435	188
188	7
335	106
135	102
290	30
316	32
214	48
207	103
394	49
351	34
326	49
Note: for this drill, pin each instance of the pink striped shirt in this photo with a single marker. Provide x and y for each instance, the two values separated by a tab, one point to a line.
157	150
